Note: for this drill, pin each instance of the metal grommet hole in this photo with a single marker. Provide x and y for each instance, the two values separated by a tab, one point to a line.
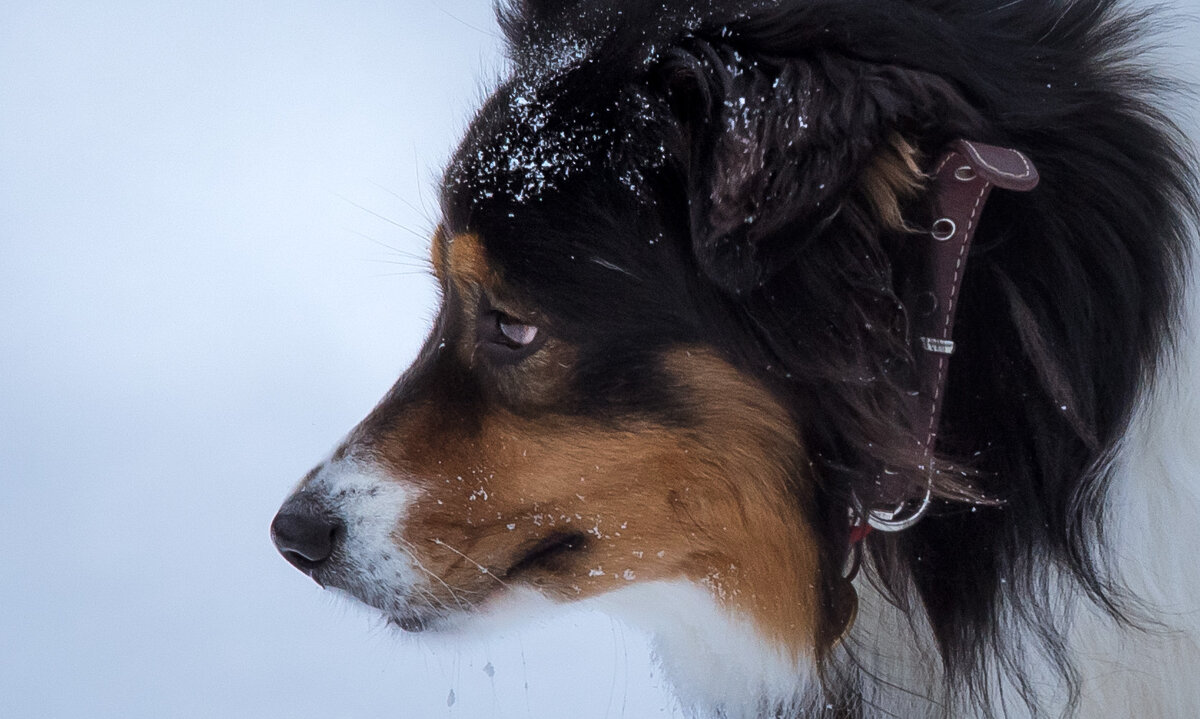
943	229
966	173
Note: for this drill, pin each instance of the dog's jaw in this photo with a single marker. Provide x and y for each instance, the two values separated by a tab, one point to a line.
719	661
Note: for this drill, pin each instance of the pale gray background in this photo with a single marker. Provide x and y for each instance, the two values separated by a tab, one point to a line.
196	301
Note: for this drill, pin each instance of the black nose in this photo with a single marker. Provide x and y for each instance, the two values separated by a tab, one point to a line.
305	535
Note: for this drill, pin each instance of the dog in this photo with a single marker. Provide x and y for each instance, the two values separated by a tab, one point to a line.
824	339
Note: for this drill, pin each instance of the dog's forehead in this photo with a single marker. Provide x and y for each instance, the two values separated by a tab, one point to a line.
579	105
552	179
537	137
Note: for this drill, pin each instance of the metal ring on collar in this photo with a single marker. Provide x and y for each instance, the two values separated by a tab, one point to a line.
943	229
903	516
966	173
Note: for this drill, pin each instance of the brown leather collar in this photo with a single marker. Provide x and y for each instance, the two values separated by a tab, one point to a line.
961	181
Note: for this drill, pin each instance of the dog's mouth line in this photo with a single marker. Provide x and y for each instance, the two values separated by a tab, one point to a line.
548	553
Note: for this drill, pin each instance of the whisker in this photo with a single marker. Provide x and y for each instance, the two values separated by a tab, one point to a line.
386	246
432	601
482	569
423	211
420	183
407	546
402	263
385	218
473	27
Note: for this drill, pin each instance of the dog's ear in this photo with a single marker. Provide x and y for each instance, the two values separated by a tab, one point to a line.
779	146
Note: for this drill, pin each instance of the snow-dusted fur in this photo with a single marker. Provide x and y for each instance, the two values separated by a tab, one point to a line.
369	508
675	358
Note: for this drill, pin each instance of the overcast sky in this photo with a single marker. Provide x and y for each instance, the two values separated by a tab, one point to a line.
198	297
213	222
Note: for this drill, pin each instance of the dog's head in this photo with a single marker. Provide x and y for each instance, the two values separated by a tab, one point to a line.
672	346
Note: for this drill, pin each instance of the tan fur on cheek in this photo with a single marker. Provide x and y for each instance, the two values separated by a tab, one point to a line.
467	263
708	503
437	254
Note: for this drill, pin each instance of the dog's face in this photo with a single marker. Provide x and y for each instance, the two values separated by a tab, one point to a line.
595	407
528	448
574	424
573	444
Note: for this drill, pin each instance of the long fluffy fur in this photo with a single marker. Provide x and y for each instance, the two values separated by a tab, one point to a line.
745	131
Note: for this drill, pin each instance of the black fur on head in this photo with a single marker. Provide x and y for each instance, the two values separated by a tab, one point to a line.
726	173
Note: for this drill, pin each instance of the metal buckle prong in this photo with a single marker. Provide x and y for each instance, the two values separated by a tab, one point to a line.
903	516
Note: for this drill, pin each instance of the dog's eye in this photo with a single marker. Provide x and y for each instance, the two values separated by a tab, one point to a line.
514	333
506	338
518	334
